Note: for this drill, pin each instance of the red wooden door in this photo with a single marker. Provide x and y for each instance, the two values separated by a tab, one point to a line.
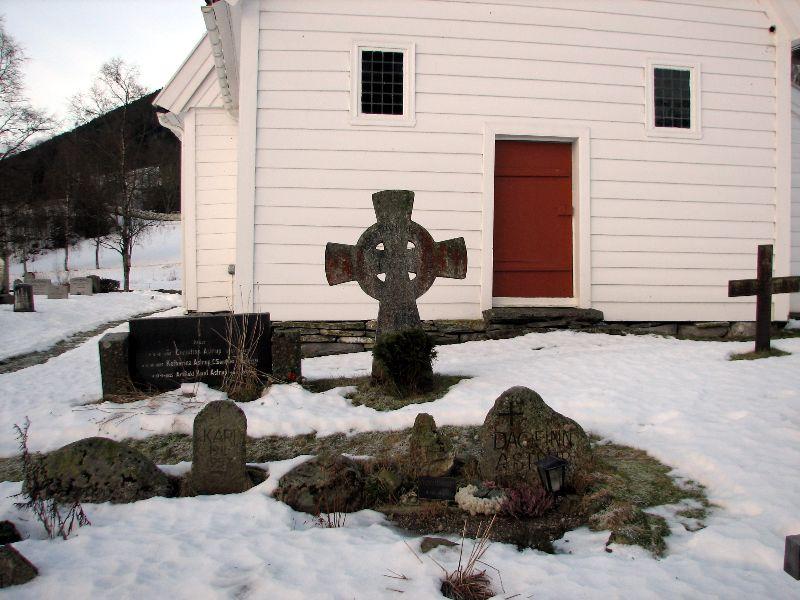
532	220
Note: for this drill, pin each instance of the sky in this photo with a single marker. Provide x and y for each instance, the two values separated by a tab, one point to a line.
66	42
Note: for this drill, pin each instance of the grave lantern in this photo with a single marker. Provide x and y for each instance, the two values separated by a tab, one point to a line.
553	472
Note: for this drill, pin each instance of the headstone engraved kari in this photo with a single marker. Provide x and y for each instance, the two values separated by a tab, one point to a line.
395	261
165	352
520	430
763	287
218	449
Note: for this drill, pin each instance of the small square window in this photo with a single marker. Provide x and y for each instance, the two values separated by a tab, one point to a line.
382	81
672	100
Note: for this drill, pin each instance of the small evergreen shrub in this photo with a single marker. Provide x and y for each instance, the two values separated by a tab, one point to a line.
108	285
406	361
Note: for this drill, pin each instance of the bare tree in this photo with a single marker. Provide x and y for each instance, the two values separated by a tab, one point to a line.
20	123
117	147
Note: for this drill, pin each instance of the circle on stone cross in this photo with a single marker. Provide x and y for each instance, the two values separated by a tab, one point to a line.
409	250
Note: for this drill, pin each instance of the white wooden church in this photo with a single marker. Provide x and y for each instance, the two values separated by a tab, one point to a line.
623	155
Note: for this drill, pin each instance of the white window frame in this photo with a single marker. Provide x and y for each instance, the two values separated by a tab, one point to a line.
695	131
408	118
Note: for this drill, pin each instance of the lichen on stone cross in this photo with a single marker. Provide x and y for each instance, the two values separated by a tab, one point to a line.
403	253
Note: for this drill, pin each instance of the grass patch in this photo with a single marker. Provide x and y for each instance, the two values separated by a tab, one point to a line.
627	482
755	355
378	397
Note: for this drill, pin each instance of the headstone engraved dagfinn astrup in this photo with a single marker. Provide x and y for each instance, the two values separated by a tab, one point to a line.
218	449
404	253
165	352
520	430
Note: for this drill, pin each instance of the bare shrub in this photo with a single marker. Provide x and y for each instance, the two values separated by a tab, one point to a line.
467	581
57	519
242	380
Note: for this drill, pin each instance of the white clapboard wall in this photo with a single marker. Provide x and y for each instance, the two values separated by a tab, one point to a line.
672	220
795	301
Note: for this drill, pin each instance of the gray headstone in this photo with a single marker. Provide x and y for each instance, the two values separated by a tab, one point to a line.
218	449
29	277
81	286
23	297
114	374
41	287
58	292
520	430
286	356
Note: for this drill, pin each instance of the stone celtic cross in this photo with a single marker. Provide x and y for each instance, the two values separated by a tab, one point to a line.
395	261
763	287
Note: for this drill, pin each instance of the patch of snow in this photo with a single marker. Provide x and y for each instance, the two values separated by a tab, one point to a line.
56	320
156	260
732	426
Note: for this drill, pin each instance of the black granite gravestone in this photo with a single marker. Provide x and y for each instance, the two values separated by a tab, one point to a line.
165	352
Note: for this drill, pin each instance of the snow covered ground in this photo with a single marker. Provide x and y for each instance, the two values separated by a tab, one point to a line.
56	320
733	426
156	260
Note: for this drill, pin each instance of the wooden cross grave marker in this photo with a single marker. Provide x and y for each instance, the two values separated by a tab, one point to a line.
763	287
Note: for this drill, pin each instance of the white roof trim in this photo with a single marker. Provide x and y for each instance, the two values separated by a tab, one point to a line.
220	33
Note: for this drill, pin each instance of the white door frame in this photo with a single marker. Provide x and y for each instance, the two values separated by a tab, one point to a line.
541	131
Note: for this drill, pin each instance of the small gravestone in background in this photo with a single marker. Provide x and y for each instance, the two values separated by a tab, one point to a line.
81	286
404	254
520	430
41	287
218	449
114	374
29	277
286	357
23	297
58	292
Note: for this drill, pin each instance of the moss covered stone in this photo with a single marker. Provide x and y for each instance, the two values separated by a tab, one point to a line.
97	470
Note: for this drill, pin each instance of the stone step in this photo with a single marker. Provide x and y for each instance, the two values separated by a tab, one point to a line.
560	316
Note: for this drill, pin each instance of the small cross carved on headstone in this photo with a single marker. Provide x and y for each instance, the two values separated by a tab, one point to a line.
395	261
511	413
763	287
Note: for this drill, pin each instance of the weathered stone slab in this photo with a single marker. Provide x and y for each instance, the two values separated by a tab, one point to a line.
23	297
114	375
286	356
29	277
431	454
218	449
58	292
323	349
165	352
791	557
522	429
41	287
532	314
81	286
15	569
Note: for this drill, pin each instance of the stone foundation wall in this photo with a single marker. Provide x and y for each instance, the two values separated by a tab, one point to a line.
319	338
